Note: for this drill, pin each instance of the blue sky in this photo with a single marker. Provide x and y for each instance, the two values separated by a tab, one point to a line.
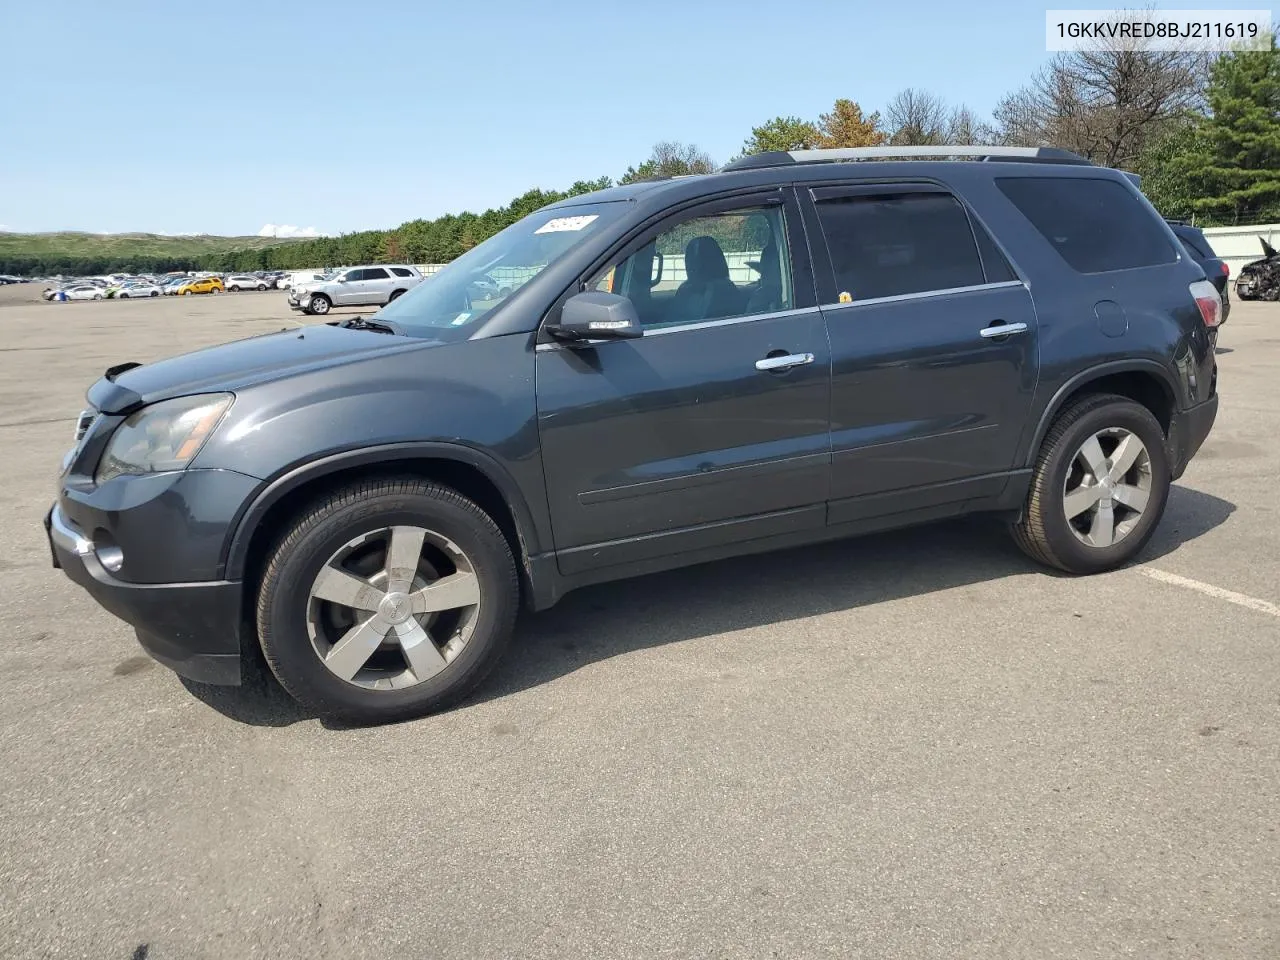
221	118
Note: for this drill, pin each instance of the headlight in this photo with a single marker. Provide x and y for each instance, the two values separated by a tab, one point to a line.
163	436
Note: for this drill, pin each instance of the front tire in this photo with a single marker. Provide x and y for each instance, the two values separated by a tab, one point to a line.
386	600
234	289
320	305
1099	486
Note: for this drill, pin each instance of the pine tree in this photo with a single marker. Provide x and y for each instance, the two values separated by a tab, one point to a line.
1237	159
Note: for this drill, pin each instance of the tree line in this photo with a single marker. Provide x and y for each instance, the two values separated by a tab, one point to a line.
1202	130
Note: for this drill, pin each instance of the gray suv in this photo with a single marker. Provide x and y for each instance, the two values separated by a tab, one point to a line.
355	287
801	347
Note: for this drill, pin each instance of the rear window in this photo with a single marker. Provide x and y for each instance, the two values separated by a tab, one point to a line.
401	272
1095	225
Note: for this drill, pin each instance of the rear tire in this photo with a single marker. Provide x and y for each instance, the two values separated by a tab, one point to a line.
394	295
377	677
1085	520
234	289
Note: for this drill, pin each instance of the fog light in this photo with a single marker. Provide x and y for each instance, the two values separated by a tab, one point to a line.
109	555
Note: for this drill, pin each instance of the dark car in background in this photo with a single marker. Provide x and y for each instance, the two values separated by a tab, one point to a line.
801	347
1215	269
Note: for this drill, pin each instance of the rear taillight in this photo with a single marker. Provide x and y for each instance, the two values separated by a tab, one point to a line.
1226	269
1207	299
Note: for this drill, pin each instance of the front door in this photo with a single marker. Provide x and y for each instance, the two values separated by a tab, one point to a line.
713	426
933	341
347	290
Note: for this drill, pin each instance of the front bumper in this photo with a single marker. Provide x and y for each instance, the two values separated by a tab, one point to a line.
1188	431
191	628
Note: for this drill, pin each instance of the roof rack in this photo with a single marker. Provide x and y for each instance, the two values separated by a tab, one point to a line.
779	158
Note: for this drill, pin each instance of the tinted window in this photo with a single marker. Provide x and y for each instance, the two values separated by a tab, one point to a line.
375	273
994	263
890	245
1095	225
401	272
731	264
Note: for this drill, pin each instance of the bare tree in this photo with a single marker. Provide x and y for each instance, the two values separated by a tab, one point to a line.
916	118
671	158
966	128
1104	104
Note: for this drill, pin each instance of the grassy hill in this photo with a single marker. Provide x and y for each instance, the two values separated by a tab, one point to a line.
70	251
75	244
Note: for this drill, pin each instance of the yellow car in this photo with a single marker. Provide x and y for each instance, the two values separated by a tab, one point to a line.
203	285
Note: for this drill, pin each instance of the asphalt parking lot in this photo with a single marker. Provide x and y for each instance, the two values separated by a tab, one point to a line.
912	745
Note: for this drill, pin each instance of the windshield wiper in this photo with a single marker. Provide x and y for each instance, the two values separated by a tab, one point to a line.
365	323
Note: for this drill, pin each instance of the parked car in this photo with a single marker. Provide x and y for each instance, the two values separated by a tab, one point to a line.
137	289
355	286
170	287
1216	270
371	500
240	281
201	285
80	291
1260	279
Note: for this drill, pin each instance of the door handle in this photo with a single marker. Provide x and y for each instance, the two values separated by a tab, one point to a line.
1002	330
785	362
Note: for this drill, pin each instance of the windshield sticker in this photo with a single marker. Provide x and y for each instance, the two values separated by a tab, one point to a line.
461	318
566	224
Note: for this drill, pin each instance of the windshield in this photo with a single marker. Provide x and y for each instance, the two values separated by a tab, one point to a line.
474	284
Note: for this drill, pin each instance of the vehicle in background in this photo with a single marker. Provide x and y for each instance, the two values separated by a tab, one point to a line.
81	291
1260	279
201	285
170	287
242	281
291	280
5	280
137	288
1216	270
375	285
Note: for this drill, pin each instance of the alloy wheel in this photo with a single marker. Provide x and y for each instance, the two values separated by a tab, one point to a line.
393	607
1107	488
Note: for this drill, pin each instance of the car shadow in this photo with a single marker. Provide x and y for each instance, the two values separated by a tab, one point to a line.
1219	351
609	620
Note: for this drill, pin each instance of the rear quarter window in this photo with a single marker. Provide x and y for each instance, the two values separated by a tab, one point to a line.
401	272
1095	225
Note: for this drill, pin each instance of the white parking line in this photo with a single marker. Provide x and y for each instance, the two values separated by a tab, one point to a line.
1209	590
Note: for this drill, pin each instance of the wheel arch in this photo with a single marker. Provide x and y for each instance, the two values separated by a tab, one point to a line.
1143	381
471	472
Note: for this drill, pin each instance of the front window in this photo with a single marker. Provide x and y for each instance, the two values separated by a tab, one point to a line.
711	267
470	287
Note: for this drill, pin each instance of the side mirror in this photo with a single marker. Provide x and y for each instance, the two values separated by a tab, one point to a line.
596	315
342	279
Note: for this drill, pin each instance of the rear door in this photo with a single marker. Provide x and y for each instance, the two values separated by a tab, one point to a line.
710	429
933	341
376	286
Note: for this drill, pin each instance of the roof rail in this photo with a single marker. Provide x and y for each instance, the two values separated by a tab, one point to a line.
778	158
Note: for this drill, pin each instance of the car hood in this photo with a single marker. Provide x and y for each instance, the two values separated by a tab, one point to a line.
240	364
